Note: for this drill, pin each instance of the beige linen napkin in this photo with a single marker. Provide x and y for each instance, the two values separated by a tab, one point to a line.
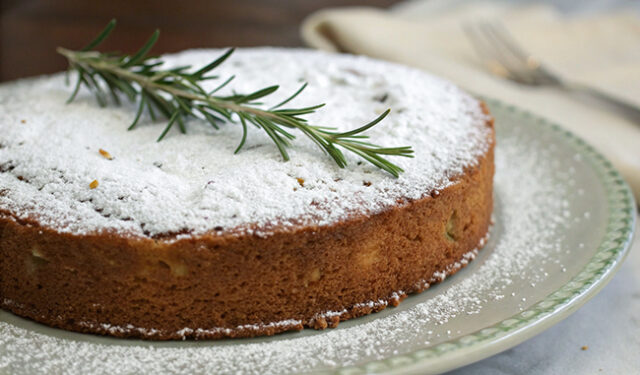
602	51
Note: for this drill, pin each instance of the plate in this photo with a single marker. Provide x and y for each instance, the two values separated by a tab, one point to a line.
563	223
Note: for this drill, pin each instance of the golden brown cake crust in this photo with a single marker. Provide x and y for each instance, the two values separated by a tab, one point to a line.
213	286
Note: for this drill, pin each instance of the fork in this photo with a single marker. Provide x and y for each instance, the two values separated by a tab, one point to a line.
505	58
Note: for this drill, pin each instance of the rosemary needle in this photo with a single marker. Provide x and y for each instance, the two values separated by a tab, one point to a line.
177	94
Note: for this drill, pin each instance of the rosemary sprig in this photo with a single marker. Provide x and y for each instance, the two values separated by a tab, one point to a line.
177	94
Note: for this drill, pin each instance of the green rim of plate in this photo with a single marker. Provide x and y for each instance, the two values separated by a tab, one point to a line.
510	332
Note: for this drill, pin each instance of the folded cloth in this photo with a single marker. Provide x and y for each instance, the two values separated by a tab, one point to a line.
600	50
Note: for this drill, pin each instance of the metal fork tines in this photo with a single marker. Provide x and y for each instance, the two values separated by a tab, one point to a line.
505	58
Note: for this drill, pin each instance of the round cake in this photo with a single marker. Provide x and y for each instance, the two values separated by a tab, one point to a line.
107	231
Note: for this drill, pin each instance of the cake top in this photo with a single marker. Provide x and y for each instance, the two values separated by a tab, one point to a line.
193	184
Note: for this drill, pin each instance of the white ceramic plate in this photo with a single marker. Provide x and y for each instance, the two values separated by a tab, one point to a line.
563	224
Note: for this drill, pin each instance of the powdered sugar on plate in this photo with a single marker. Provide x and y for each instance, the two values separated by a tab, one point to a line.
193	183
533	216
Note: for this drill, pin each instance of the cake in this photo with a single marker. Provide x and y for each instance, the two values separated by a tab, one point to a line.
106	231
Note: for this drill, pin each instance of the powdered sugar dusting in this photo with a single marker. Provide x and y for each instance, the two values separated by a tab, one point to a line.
50	152
528	242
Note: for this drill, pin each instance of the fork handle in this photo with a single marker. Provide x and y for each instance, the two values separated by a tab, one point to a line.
628	109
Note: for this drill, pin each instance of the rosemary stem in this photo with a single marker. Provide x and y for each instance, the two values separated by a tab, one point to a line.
177	94
150	84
